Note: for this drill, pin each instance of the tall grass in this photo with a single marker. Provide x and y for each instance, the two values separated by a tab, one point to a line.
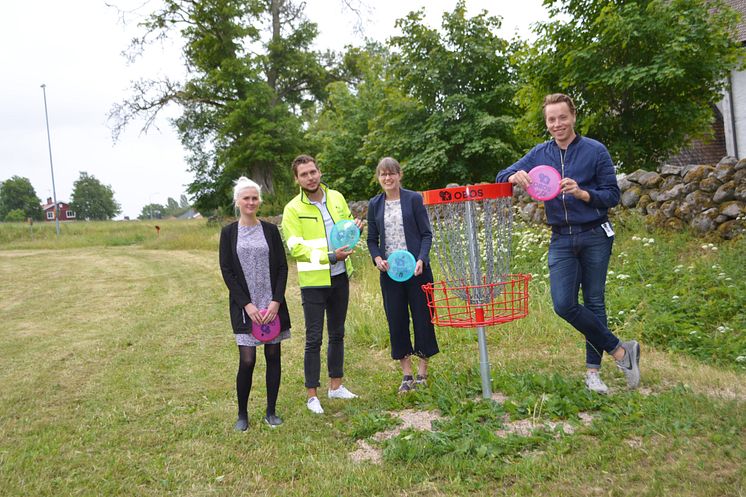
173	234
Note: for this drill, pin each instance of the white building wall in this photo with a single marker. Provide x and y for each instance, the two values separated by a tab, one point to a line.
733	108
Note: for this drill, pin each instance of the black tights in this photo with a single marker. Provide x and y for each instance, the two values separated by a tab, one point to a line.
246	362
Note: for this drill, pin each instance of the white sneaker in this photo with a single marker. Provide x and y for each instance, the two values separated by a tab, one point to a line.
314	405
594	383
341	393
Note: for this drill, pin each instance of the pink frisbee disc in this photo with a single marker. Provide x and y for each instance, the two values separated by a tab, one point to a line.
268	331
545	183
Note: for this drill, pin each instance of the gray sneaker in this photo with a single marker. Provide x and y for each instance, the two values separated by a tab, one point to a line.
630	364
594	383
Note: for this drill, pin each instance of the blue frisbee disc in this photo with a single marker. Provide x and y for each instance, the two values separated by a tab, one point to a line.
344	232
401	265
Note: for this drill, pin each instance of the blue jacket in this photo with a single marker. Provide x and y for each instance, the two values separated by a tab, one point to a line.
589	164
417	231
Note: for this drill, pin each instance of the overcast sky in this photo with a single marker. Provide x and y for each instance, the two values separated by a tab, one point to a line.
75	49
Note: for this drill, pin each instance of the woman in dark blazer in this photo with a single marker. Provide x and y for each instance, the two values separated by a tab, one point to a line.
398	220
255	270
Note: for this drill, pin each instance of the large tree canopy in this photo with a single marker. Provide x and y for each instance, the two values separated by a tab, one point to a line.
440	101
18	196
446	102
644	73
250	75
93	200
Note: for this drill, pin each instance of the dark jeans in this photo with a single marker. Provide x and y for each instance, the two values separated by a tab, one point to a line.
581	261
399	299
332	301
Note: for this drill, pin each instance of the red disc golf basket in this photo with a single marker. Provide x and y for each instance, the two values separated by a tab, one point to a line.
472	236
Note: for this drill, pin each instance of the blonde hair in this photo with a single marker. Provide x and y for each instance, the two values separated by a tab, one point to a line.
243	183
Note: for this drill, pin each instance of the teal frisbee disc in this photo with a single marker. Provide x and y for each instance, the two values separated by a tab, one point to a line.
401	265
344	232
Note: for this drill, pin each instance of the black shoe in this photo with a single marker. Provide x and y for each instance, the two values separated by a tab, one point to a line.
242	424
273	420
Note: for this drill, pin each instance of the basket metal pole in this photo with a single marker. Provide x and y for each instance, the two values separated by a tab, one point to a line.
476	277
484	364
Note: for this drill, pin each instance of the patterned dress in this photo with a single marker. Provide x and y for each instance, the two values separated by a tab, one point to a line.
253	253
394	226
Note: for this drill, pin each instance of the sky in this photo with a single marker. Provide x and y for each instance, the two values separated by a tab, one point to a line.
75	49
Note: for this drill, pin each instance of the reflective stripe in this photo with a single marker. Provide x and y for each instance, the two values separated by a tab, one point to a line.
317	243
293	241
310	266
314	243
316	256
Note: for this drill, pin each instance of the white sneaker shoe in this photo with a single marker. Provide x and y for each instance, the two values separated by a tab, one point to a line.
594	383
314	405
341	393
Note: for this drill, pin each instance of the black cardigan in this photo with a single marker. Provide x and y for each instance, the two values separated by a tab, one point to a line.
238	291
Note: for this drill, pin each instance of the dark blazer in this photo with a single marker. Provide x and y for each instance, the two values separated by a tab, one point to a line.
238	290
417	231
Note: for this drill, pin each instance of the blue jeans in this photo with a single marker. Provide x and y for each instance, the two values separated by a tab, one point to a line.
579	261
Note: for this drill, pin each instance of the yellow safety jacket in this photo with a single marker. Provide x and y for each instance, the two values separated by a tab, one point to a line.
305	235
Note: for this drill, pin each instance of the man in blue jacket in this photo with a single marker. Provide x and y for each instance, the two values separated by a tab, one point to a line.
582	235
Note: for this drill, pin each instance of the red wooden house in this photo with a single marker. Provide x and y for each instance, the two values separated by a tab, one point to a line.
65	213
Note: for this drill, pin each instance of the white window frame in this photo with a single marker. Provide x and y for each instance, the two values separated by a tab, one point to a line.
50	215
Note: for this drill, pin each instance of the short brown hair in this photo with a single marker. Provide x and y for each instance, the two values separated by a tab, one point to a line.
388	164
558	98
302	159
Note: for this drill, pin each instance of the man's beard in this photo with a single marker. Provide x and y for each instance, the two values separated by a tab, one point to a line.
307	191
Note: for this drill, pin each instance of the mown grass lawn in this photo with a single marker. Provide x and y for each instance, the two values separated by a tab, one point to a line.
118	374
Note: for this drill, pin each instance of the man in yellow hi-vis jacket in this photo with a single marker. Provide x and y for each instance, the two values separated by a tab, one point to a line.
323	274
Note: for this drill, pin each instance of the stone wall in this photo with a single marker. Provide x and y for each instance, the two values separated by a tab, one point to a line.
707	199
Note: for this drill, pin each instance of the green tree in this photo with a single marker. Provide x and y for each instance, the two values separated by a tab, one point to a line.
462	76
17	193
184	202
644	73
251	75
93	200
15	216
359	121
152	211
440	101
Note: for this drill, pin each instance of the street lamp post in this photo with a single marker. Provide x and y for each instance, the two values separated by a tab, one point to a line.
51	166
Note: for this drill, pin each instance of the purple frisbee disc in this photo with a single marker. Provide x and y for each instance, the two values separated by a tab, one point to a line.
268	331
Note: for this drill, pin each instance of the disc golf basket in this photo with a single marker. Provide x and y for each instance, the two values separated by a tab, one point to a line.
472	232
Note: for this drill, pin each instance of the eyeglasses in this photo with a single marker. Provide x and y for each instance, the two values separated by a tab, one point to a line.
388	174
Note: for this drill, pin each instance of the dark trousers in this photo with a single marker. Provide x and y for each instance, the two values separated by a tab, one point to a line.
401	298
332	301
